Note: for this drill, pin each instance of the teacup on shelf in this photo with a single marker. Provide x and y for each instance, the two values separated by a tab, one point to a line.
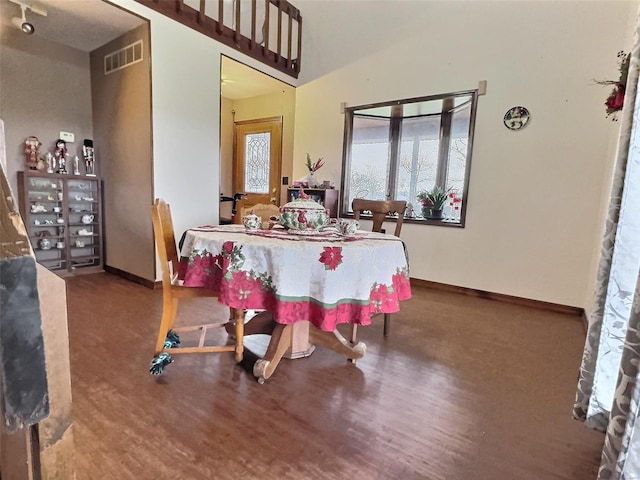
38	208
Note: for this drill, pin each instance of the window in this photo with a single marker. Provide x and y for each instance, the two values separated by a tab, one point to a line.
257	161
394	150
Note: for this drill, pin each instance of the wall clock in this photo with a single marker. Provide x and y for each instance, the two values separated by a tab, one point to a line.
516	118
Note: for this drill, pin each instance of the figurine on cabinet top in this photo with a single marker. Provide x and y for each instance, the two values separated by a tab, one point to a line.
32	152
50	161
89	159
61	155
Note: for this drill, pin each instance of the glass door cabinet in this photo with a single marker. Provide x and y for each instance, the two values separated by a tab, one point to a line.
63	217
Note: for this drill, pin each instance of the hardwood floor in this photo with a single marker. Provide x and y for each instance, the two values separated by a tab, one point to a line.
463	388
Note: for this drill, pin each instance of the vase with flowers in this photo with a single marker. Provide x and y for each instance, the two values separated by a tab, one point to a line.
433	201
313	167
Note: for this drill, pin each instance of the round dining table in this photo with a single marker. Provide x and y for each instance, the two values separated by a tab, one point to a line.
308	282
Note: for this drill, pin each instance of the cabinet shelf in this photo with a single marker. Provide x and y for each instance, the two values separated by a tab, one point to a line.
76	196
38	237
325	196
85	257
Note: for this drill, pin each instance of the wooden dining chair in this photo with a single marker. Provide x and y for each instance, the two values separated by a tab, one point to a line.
379	211
263	210
172	291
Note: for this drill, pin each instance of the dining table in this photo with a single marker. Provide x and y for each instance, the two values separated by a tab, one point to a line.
305	283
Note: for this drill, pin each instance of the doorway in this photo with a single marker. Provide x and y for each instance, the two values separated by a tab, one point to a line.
250	96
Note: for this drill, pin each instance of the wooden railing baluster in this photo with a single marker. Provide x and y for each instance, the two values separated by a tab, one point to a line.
267	18
253	24
289	36
201	12
295	63
238	22
197	19
220	17
279	48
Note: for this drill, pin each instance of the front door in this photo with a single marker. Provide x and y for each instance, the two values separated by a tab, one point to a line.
257	150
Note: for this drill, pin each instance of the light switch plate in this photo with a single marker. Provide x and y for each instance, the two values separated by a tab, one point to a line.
67	137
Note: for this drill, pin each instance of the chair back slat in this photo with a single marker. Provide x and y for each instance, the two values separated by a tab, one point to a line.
165	239
263	210
381	211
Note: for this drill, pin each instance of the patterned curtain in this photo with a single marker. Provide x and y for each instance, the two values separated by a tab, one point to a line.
608	396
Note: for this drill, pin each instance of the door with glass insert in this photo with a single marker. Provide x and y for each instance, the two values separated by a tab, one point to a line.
257	152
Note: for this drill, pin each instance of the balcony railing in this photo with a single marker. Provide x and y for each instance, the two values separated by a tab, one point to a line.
268	30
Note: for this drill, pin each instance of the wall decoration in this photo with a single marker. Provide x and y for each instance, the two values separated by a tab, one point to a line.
516	118
615	100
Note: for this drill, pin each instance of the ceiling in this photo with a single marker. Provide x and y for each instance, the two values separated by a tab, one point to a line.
88	24
82	24
240	81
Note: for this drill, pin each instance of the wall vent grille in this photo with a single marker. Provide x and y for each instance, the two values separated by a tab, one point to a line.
123	58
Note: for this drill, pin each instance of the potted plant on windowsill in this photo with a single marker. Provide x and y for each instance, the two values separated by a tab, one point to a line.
433	201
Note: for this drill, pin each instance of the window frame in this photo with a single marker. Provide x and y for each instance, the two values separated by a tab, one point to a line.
395	135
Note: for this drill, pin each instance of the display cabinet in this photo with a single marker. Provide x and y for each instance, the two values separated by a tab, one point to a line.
63	217
325	196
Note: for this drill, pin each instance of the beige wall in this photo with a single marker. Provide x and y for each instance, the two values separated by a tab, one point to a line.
45	89
281	104
122	127
534	207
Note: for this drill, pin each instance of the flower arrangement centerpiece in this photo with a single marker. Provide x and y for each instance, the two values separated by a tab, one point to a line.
433	201
313	167
615	100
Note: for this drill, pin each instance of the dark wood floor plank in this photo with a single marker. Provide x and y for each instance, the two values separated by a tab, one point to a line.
463	388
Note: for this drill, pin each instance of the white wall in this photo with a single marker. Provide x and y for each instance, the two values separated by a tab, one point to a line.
534	208
535	199
186	116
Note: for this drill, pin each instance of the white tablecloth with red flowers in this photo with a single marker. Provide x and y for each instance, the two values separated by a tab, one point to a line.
326	279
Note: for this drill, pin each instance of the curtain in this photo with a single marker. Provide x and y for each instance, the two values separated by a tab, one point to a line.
608	395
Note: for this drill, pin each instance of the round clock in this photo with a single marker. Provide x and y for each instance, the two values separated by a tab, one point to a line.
516	118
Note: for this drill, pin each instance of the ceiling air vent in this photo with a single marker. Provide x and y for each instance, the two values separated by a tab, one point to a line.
123	58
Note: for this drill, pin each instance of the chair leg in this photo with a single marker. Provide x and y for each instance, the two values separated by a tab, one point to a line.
387	324
169	310
238	316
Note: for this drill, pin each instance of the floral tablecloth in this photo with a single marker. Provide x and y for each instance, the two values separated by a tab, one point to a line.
326	279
